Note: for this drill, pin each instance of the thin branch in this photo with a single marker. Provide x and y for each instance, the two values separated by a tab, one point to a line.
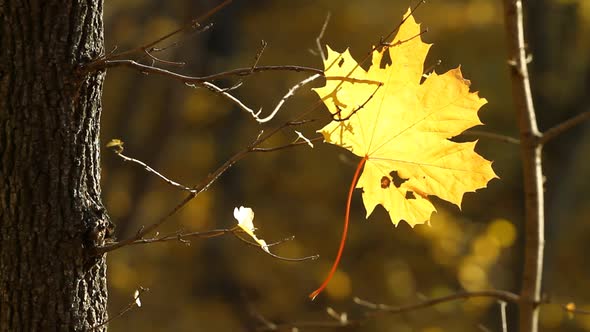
531	151
146	69
318	39
287	239
156	59
199	29
431	68
503	316
263	45
401	41
288	95
494	136
134	303
564	126
416	6
228	96
295	326
256	115
286	146
496	294
153	171
181	237
204	185
300	122
268	252
150	47
340	320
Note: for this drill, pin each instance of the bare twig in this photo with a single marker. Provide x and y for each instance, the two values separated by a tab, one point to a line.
181	237
295	326
416	6
342	320
204	185
156	59
289	94
531	150
290	238
196	29
494	136
401	41
256	115
228	96
196	79
286	146
263	45
318	39
496	294
153	171
503	316
150	47
134	303
564	126
431	68
268	252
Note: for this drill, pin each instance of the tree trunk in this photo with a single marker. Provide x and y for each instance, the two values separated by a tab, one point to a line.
51	215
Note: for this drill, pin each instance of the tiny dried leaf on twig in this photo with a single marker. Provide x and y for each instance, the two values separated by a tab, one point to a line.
116	144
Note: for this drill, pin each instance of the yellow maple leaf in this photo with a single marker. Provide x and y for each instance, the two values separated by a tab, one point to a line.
400	127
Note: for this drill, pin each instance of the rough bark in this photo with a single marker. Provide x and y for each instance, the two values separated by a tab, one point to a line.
51	215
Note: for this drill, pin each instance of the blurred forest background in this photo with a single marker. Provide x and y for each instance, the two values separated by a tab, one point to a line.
221	284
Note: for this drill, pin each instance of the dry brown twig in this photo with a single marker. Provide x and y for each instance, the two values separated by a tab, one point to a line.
563	127
384	308
342	319
149	48
205	183
338	320
494	136
139	237
119	152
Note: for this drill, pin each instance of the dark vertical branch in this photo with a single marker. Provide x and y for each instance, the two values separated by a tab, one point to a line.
531	149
